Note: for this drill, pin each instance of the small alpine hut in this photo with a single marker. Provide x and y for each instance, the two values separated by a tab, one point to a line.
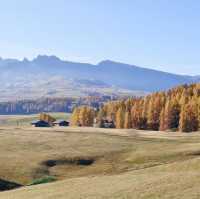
103	123
108	124
61	123
40	123
47	118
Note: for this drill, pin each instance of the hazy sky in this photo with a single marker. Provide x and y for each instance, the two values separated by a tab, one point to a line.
160	34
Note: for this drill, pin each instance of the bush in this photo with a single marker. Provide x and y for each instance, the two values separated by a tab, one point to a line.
43	180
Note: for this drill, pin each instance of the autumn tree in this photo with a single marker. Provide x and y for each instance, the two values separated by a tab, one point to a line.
177	108
86	116
162	126
90	116
127	120
155	107
120	118
169	117
75	117
188	118
138	120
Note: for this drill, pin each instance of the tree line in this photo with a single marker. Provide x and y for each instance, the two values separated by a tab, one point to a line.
50	104
83	116
37	106
177	109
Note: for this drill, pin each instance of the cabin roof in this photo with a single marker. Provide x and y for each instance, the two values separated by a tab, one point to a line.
60	121
38	121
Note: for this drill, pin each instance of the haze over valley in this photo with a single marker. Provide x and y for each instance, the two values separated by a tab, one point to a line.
49	76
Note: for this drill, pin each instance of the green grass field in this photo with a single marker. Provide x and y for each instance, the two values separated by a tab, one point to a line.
99	163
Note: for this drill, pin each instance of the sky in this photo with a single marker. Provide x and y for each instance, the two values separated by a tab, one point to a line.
158	34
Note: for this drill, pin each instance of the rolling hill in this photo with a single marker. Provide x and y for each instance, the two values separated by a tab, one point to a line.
125	163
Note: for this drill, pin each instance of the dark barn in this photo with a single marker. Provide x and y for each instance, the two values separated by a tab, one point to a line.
104	123
108	124
61	123
40	123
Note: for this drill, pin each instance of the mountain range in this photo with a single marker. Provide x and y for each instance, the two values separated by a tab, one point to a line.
49	76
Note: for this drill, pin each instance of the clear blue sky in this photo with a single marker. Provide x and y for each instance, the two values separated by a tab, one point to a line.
160	34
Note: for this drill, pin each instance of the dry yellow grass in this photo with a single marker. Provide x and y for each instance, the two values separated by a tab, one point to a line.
128	163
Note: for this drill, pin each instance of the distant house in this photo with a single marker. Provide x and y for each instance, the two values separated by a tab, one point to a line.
108	124
47	118
104	123
40	123
61	123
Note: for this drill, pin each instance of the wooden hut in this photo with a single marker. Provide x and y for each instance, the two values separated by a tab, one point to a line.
47	118
103	123
61	123
40	123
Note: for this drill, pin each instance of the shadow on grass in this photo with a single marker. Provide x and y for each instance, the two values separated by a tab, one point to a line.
7	185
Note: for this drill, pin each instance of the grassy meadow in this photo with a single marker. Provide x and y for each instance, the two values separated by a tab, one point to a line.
99	163
25	120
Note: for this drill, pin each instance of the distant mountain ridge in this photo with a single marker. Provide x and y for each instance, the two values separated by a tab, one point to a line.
49	74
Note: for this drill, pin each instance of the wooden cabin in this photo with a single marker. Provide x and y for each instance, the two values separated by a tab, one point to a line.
47	118
61	123
103	123
108	124
40	123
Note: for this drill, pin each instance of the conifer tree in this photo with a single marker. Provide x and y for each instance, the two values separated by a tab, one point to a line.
178	108
153	118
188	118
120	118
173	122
86	116
75	117
162	120
90	116
127	120
138	120
83	116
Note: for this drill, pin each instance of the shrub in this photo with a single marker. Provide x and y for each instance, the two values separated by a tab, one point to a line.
43	180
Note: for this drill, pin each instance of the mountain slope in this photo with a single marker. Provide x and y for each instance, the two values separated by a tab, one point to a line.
49	74
134	77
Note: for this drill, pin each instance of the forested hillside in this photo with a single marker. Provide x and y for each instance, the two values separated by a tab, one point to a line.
64	104
176	109
37	106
